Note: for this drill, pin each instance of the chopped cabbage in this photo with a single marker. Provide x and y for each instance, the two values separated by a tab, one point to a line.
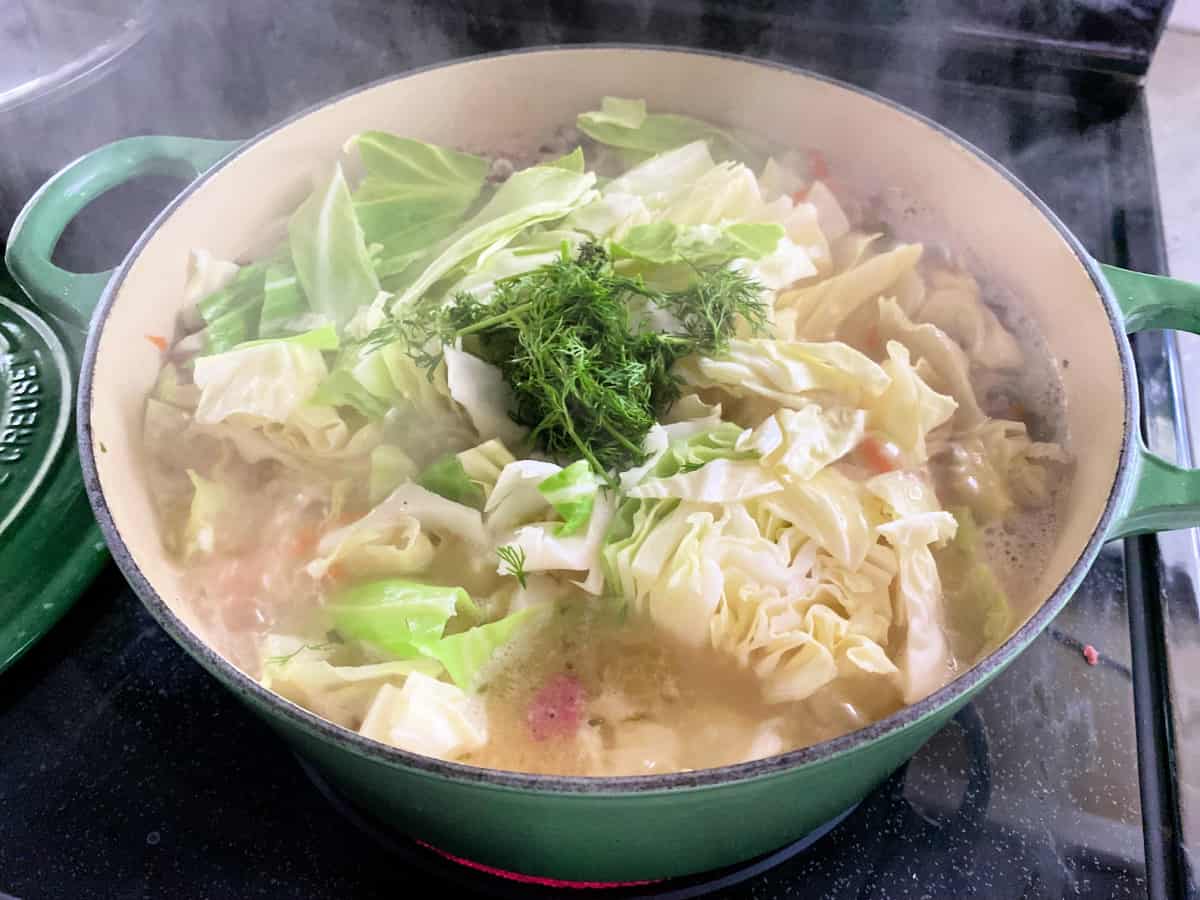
665	243
206	275
954	305
930	343
546	551
516	499
909	409
479	388
209	500
396	547
267	381
330	251
484	463
924	655
427	716
520	257
804	441
307	674
610	215
821	309
531	196
436	514
572	493
790	373
626	124
784	510
658	179
468	655
719	481
977	608
412	187
397	616
389	468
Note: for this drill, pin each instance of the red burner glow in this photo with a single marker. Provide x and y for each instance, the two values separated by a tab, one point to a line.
534	879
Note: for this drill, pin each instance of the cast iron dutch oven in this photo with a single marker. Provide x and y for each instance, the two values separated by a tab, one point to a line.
607	828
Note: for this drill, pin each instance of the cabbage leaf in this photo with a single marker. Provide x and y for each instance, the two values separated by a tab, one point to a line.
572	493
448	478
665	243
820	310
412	185
311	675
267	380
397	616
427	716
909	409
791	373
531	196
468	654
329	251
977	606
625	124
804	441
479	388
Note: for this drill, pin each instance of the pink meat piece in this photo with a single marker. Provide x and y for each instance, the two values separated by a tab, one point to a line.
557	708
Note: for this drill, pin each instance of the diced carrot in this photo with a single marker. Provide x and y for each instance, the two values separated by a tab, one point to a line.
158	341
881	456
801	195
335	572
304	542
818	166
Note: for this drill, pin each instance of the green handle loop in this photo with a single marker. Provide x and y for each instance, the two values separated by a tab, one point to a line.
1165	496
71	296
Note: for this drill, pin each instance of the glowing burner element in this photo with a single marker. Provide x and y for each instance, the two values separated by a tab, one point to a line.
534	879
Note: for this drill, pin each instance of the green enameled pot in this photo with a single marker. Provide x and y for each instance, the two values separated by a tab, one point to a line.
612	828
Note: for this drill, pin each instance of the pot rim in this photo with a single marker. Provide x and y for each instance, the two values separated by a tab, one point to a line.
316	726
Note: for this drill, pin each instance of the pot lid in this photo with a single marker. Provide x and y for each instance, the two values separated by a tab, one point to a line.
50	44
50	546
35	408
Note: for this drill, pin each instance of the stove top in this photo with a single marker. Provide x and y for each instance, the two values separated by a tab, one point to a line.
126	771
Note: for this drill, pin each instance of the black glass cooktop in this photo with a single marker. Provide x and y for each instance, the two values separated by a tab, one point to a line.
126	771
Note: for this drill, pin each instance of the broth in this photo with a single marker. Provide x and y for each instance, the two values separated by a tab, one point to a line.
274	536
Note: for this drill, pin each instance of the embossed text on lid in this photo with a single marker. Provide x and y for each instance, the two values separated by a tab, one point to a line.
35	411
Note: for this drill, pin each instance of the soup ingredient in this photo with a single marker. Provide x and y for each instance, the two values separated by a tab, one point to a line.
983	616
626	124
399	617
604	475
512	560
585	377
404	619
414	194
557	708
427	716
448	478
532	196
329	248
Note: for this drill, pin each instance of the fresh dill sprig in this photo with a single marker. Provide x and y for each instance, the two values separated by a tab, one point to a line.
286	658
513	558
586	377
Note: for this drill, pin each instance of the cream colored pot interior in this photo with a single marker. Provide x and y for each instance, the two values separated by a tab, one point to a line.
508	102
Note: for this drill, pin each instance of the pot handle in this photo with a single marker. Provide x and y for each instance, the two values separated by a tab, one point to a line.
71	296
1165	496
